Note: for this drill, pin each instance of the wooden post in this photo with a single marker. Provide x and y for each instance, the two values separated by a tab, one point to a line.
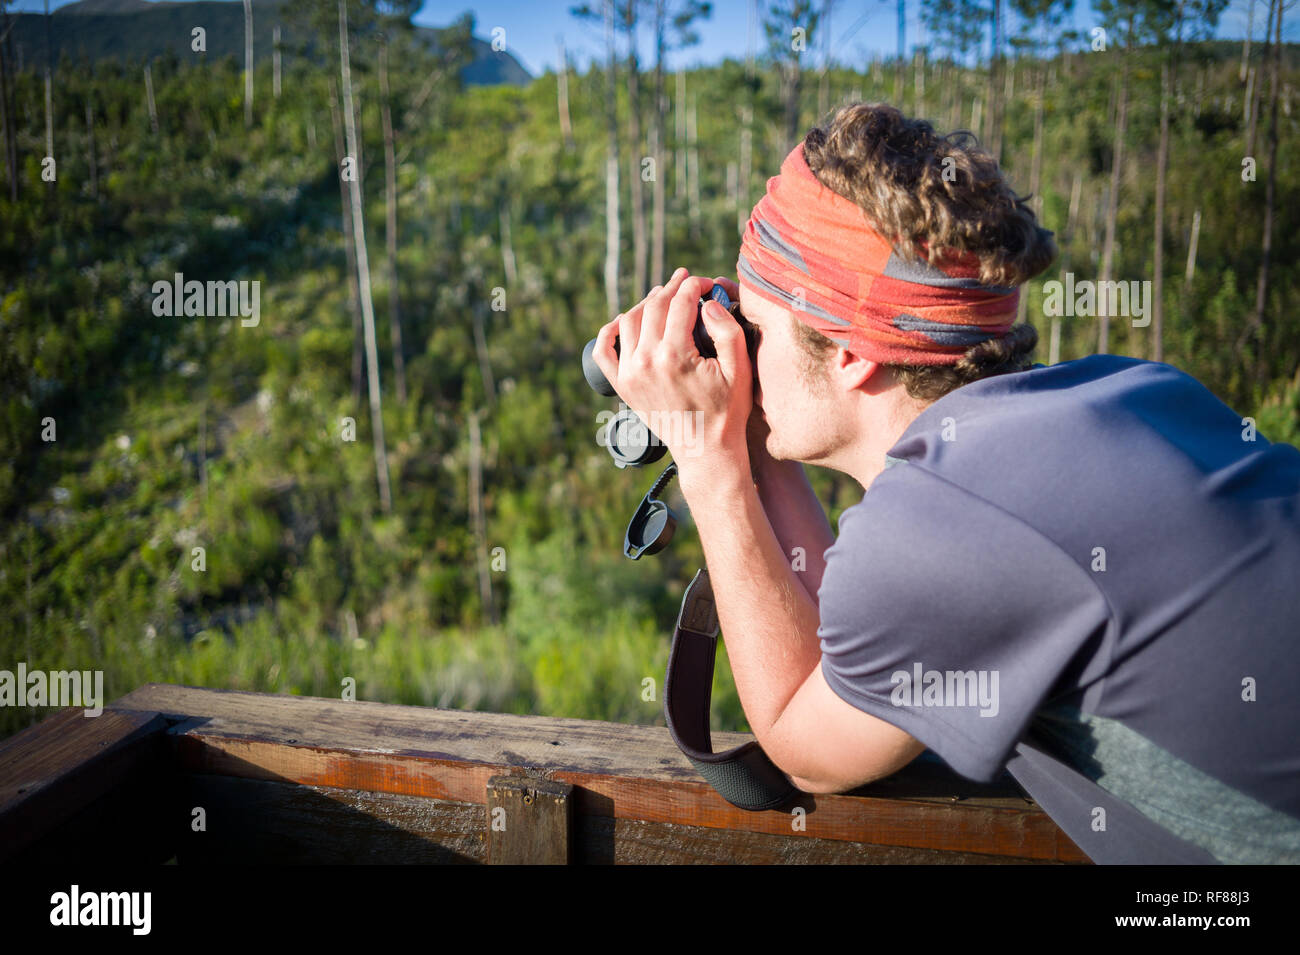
529	821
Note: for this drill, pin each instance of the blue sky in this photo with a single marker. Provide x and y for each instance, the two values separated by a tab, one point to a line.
859	28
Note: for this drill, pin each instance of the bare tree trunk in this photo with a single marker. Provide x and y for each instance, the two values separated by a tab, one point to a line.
91	161
658	134
148	92
349	249
640	242
1270	193
823	86
740	192
1158	263
363	274
484	362
680	106
9	120
1112	207
693	167
953	86
1252	124
1245	43
49	120
562	93
478	517
1190	272
507	243
360	147
993	139
612	230
918	80
49	92
902	55
1035	175
1076	193
792	83
390	228
248	63
746	168
1247	98
203	453
275	62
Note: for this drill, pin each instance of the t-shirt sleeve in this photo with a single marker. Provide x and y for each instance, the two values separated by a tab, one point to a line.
951	618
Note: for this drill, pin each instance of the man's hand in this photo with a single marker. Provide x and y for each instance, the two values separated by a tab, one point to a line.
703	404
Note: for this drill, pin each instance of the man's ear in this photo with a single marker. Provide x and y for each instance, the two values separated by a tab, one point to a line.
850	371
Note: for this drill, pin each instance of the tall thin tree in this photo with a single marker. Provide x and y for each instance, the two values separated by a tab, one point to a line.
630	19
248	63
1270	197
562	95
349	247
390	227
363	271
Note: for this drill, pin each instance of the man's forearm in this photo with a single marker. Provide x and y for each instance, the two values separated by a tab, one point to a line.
797	519
768	618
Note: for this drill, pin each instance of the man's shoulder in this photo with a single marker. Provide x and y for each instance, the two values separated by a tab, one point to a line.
1051	395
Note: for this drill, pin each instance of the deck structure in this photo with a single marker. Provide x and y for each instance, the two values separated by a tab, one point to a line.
191	775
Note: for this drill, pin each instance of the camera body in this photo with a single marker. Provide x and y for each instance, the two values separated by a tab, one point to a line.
629	441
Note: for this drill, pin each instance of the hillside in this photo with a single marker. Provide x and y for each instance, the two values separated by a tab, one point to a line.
187	499
128	30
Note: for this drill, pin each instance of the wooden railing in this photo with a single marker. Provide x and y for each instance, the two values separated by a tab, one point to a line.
172	773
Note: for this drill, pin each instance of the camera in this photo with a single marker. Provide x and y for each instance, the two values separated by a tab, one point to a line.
629	441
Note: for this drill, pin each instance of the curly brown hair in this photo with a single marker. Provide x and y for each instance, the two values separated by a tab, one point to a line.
915	185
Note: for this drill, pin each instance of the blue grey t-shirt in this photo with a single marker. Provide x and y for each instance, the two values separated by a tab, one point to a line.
1087	574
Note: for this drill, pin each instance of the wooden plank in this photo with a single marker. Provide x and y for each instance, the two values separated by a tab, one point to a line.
269	823
53	772
601	840
623	772
529	820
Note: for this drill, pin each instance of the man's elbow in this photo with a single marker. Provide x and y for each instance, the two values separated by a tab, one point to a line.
810	786
822	787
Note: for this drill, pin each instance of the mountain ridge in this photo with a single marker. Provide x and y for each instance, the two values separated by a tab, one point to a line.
127	30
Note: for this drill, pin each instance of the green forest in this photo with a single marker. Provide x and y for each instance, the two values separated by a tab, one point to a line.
215	501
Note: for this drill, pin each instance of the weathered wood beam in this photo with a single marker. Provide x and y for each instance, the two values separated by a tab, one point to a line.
253	822
620	771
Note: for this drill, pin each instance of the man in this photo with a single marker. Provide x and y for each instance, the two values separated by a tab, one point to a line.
1085	573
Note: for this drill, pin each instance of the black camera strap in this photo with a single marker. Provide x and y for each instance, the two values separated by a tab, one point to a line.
743	776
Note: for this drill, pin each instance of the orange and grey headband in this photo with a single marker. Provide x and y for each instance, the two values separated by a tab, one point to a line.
811	250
